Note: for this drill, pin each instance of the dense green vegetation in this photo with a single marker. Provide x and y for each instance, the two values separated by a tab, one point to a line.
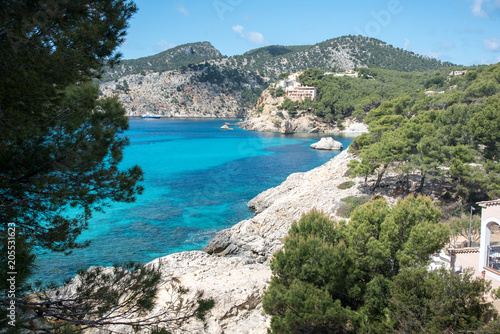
370	275
362	52
340	97
170	59
249	85
453	135
60	150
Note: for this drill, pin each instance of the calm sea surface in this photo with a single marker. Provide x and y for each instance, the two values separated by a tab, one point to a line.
198	180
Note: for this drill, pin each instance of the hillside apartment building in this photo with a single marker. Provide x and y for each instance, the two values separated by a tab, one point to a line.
484	259
294	89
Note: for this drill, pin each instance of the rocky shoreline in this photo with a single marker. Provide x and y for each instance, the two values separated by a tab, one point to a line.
267	117
233	269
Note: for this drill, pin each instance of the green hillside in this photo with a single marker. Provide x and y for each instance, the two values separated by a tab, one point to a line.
338	53
448	134
340	97
170	59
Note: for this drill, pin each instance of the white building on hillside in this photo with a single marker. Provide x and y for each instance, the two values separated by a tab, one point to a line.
485	259
453	73
301	93
489	251
294	89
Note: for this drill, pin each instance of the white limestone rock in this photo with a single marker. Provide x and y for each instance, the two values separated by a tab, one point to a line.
354	126
328	143
286	127
235	286
260	237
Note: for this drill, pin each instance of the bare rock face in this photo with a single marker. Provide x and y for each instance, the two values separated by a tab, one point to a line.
354	126
172	94
260	237
267	117
328	143
286	127
235	286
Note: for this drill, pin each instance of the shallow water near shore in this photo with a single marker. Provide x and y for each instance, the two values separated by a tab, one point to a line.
198	179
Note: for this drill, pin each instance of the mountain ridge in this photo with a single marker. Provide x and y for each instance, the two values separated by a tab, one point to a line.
344	52
196	80
169	59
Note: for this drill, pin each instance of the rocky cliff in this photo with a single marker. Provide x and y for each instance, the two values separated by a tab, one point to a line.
267	117
195	80
175	94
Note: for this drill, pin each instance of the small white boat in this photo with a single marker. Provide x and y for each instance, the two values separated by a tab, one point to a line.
148	115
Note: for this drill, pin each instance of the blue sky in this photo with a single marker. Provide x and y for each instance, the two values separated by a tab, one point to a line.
464	32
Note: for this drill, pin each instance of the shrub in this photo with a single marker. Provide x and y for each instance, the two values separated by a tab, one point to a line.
346	185
351	203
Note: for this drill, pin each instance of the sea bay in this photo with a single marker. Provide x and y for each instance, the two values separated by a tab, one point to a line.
198	179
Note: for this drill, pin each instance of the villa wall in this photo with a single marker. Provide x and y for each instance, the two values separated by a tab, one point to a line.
490	215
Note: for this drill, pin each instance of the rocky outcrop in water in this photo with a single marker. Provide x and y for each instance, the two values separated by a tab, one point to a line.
268	117
260	237
329	144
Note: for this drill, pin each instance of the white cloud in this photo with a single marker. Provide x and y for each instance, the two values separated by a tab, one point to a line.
256	37
239	30
252	36
182	9
485	8
492	44
477	8
164	45
407	43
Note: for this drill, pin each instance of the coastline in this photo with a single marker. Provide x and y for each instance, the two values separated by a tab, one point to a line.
233	269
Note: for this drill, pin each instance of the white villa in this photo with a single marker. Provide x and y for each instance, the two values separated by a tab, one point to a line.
347	73
489	253
453	73
302	93
294	89
485	259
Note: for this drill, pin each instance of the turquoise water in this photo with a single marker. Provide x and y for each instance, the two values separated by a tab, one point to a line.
197	182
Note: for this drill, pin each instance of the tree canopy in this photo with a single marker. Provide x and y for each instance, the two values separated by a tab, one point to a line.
452	134
60	145
370	275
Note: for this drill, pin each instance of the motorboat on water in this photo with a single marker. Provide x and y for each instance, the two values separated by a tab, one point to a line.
148	115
